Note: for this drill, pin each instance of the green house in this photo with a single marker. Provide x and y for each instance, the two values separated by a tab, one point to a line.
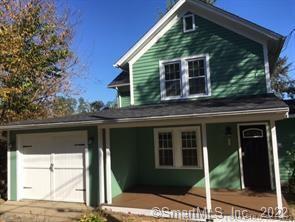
197	123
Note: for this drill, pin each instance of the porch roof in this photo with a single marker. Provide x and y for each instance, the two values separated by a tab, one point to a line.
173	109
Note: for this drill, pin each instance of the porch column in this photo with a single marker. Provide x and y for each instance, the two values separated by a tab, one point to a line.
8	166
206	168
101	167
276	164
108	167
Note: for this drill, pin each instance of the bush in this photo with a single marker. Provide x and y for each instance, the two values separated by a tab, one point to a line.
93	217
291	169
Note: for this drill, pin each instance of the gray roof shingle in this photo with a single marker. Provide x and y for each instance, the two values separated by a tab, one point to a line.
121	79
176	108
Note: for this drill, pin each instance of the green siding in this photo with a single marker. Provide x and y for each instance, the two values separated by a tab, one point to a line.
224	159
125	101
236	63
133	161
93	159
124	94
286	141
124	159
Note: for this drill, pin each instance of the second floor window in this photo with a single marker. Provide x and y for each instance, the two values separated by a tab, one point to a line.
185	78
172	79
196	76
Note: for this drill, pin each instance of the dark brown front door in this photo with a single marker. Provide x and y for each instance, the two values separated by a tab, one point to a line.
255	157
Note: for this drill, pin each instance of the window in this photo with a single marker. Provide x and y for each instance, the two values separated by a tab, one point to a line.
253	133
196	76
189	23
189	148
172	79
178	147
185	77
165	149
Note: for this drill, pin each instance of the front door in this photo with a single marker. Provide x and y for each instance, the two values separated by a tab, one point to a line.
255	157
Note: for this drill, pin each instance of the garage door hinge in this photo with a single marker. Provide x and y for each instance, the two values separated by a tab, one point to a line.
28	187
27	146
80	144
80	189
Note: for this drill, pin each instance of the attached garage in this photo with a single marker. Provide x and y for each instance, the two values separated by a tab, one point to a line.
52	166
55	165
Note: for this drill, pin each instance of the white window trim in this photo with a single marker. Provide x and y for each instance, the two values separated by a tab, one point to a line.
184	77
177	148
184	23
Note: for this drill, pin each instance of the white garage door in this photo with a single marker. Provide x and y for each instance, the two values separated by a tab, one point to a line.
53	166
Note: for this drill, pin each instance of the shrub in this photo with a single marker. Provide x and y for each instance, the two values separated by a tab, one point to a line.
92	217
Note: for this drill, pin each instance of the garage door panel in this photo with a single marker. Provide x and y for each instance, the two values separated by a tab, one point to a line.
37	160
36	184
68	185
54	163
69	160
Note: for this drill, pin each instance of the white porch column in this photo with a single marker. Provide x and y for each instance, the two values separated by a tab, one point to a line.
108	167
101	167
8	166
276	165
206	168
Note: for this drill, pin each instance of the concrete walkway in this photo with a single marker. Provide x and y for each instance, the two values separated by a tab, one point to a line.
40	211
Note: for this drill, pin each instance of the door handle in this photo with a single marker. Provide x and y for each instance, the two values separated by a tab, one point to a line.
51	167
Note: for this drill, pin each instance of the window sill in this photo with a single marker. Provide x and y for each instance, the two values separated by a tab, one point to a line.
185	98
177	168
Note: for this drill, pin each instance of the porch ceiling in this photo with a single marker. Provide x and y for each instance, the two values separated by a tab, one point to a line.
259	104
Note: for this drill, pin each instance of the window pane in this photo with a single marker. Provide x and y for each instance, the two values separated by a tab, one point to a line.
189	148
172	88
165	140
189	157
188	23
253	133
166	157
196	68
197	86
172	71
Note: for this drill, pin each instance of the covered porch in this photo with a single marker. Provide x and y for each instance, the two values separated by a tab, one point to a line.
138	178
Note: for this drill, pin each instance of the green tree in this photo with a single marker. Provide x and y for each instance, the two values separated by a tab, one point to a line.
171	3
36	62
83	106
63	106
96	106
282	83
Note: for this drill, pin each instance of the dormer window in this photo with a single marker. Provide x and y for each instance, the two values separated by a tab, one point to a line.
189	23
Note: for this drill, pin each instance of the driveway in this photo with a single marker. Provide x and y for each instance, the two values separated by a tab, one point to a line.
40	211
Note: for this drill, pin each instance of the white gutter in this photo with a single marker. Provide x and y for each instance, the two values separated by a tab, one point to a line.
128	120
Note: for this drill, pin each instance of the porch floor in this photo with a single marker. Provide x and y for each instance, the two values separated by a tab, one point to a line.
181	198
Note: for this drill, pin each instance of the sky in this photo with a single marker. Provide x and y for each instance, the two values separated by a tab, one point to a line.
107	29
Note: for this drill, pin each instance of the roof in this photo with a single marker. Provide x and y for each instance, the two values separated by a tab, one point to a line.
176	109
274	40
291	104
121	80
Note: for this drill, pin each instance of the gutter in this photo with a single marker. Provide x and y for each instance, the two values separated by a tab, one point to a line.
140	119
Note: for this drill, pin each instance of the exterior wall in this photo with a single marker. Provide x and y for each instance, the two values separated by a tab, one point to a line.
236	63
92	152
133	161
123	159
124	94
125	100
286	141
